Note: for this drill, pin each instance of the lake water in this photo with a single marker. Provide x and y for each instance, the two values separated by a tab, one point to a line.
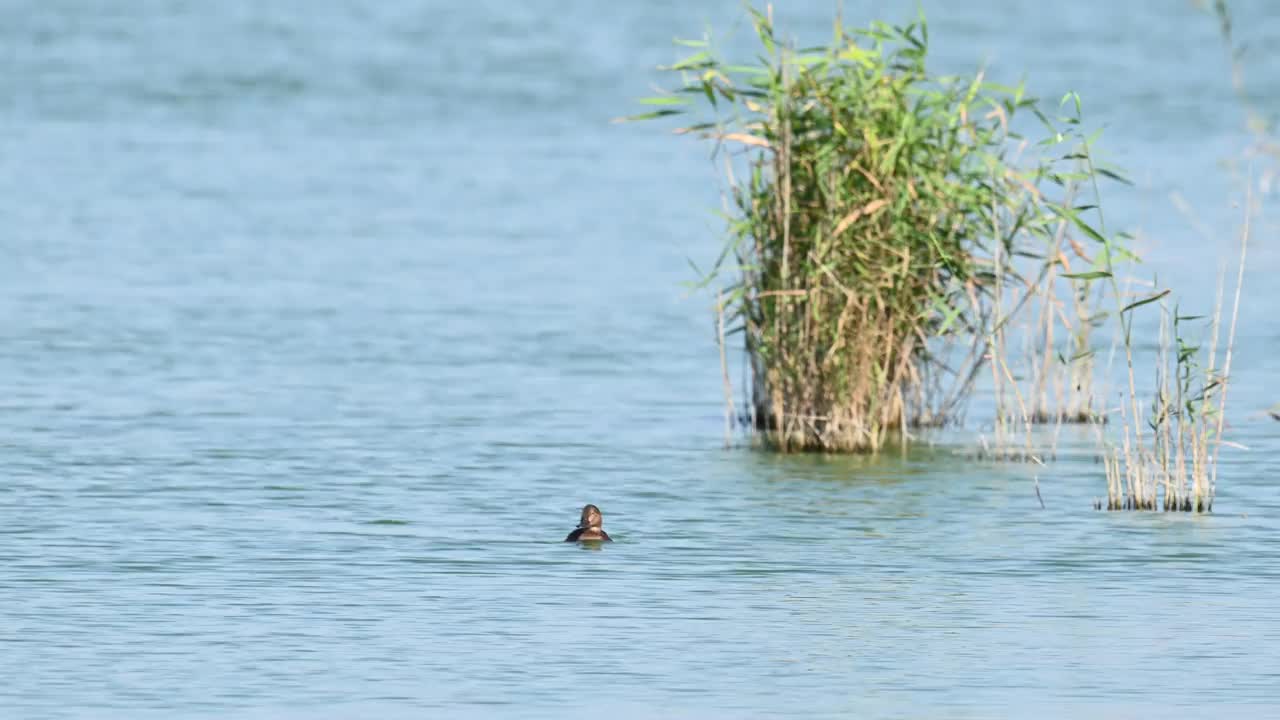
320	322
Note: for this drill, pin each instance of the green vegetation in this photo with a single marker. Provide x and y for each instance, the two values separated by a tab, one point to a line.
886	228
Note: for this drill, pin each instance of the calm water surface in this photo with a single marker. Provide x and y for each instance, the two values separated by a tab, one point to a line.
319	322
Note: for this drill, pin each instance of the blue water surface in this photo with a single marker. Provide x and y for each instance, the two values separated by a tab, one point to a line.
320	321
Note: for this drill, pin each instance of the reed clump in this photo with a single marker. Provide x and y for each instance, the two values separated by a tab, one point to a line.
882	228
1167	458
1054	384
1061	364
1175	467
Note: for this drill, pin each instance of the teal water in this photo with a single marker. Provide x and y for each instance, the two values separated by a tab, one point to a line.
320	322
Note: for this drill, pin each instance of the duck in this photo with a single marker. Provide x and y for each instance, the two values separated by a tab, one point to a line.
589	529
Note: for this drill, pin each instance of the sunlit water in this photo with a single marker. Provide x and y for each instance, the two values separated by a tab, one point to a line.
320	322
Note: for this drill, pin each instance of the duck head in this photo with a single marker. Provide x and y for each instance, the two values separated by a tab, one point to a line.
591	517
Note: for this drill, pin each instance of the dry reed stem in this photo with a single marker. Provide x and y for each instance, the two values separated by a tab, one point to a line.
724	370
1231	336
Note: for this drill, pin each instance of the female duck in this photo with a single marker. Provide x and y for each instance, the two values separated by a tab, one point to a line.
589	527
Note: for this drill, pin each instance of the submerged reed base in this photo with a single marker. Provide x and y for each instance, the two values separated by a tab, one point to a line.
1068	417
1149	489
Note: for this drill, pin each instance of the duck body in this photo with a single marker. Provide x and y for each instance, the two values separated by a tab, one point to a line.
589	527
588	535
